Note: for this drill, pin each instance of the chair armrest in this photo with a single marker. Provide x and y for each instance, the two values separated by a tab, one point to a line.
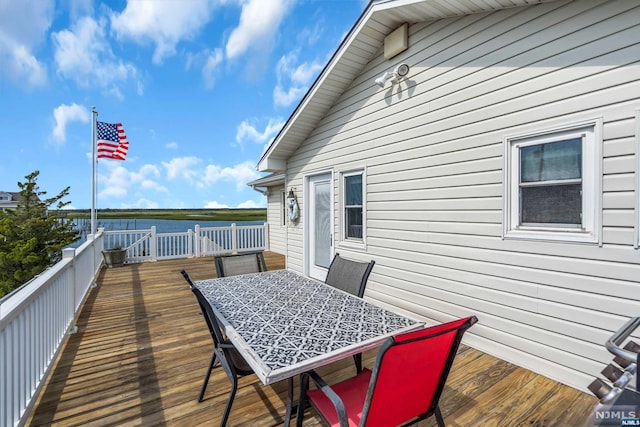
333	397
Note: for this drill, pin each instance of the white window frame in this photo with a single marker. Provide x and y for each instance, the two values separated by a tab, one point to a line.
591	134
350	241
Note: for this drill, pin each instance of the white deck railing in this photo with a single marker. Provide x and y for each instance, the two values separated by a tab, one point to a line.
35	319
148	245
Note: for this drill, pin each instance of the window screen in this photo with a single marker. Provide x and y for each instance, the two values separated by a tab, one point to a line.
551	183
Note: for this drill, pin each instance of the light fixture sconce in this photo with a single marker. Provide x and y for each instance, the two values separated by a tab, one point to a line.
395	76
293	209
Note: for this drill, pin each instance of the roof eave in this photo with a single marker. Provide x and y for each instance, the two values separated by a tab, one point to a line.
275	157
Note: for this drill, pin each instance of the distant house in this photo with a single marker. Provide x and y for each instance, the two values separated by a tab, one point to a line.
9	200
497	175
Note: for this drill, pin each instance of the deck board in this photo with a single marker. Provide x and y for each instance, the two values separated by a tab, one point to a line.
142	349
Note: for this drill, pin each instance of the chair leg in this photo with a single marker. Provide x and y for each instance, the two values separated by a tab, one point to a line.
214	359
232	395
357	358
439	418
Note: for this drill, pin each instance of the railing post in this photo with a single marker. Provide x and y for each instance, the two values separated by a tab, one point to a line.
266	236
70	253
196	241
153	243
234	239
91	238
97	252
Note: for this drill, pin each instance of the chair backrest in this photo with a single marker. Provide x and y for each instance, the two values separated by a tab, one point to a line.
410	373
232	265
187	278
350	276
209	316
232	361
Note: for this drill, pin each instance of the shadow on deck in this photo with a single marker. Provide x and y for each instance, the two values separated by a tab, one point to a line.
142	349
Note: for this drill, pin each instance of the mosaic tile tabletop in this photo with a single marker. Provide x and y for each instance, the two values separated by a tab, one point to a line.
288	324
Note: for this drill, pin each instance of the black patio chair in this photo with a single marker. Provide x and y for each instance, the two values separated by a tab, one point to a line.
405	386
234	365
350	276
246	263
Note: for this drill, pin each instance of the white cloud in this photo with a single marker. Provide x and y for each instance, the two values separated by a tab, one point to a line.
141	204
215	205
191	170
23	26
22	63
251	204
240	174
148	184
84	55
63	115
172	145
259	22
297	77
118	182
182	167
247	131
284	98
115	183
79	8
163	23
213	60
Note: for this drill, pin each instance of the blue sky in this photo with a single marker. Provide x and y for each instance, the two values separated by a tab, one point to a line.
200	86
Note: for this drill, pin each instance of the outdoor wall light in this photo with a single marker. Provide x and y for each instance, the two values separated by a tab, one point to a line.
292	206
398	73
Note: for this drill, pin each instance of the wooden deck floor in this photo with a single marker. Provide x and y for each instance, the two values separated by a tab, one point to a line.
142	349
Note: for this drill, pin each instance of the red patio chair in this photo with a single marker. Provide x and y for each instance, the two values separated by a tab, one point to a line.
405	386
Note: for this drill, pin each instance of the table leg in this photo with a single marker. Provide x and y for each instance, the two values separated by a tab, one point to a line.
289	403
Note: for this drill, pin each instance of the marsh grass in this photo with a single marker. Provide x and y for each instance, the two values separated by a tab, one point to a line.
174	214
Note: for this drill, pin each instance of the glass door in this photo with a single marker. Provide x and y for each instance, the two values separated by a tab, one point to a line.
320	244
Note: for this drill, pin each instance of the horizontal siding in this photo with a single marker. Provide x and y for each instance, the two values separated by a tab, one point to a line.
277	232
433	146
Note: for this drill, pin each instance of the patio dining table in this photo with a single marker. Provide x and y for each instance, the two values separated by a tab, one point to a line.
284	323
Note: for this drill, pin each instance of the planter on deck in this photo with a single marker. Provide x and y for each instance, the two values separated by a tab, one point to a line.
114	257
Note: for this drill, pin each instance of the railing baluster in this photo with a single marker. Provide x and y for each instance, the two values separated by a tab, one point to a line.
32	329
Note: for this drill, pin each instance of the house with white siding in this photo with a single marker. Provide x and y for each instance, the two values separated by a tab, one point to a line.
9	200
485	155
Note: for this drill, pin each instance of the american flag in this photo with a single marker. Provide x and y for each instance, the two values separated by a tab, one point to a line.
112	142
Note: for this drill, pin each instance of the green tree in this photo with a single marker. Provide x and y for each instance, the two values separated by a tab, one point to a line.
31	240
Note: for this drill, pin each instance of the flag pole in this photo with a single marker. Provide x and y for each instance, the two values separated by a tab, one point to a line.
94	113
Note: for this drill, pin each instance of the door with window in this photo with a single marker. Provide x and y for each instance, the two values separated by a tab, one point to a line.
318	226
